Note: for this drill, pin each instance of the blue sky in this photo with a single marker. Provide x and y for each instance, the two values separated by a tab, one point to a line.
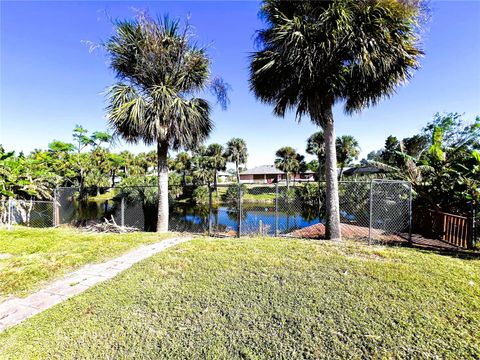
50	81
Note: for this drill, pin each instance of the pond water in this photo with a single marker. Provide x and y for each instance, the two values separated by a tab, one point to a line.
255	218
187	217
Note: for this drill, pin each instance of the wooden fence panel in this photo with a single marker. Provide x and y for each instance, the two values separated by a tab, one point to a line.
453	229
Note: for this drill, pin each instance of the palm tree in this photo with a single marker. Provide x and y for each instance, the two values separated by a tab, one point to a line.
160	71
314	54
236	152
182	164
217	161
316	147
287	161
347	150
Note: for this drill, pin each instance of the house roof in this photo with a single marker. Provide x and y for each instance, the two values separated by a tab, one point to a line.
261	170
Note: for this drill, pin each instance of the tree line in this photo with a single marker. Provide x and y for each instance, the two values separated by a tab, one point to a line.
310	56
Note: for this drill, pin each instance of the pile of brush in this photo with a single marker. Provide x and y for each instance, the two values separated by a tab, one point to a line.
109	226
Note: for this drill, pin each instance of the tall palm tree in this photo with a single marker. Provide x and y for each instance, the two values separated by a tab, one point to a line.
236	152
160	71
287	161
316	147
217	161
347	150
314	54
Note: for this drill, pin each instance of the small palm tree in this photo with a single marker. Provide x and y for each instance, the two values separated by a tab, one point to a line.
316	147
287	161
236	152
161	71
217	161
314	54
183	164
347	150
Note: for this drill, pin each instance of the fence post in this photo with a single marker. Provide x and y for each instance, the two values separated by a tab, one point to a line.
55	210
370	214
276	208
473	235
410	214
9	215
239	210
210	191
122	212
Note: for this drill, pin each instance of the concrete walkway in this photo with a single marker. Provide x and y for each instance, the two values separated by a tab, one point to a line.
13	311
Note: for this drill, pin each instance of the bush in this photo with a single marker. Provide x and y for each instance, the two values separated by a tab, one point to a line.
200	195
289	195
310	193
231	195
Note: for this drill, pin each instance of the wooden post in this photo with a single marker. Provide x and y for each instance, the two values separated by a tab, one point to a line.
472	235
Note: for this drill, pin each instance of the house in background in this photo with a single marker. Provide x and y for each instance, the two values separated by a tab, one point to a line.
267	174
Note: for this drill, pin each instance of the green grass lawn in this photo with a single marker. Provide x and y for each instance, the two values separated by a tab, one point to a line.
30	257
267	298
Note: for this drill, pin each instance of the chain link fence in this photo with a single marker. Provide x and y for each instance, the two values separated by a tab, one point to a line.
31	213
378	210
375	210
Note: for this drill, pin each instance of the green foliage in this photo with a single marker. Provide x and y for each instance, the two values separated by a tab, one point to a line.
447	176
236	152
231	195
161	70
325	51
347	150
310	193
201	195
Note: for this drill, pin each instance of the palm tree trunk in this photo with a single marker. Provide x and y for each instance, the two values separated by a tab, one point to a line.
162	173
286	177
215	182
340	175
319	171
332	230
238	173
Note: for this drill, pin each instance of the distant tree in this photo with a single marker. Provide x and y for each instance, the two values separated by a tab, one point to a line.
217	161
81	140
390	152
415	145
182	164
375	155
347	151
455	130
316	147
58	146
115	163
236	153
300	168
161	70
314	54
287	161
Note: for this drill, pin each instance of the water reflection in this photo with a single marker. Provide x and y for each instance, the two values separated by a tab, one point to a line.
255	218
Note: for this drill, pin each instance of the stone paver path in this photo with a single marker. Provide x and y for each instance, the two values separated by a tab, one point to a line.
15	310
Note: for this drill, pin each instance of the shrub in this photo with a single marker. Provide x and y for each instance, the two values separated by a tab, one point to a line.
200	195
231	195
